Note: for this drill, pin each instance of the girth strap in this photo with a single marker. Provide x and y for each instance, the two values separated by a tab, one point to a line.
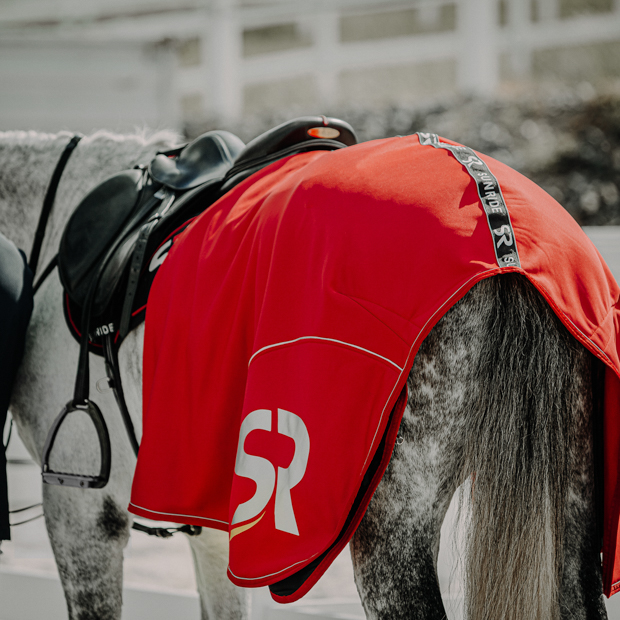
114	381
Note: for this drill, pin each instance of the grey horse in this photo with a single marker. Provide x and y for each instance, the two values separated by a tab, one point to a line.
532	543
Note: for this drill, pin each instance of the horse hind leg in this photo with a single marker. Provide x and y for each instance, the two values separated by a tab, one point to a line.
395	548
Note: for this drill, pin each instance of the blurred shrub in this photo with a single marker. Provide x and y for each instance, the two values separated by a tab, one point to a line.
568	143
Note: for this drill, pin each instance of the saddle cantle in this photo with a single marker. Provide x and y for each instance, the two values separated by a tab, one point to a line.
308	133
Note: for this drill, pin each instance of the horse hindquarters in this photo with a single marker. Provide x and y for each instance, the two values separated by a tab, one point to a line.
495	389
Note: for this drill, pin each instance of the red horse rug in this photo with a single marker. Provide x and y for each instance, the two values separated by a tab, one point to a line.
282	326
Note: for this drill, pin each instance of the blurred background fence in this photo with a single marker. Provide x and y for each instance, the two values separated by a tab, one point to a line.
181	63
534	83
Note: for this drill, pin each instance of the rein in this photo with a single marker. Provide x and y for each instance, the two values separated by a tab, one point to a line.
48	203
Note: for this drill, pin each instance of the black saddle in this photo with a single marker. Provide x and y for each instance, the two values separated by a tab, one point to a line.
128	216
110	217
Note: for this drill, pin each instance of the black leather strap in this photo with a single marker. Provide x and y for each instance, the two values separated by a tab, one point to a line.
114	378
167	532
48	202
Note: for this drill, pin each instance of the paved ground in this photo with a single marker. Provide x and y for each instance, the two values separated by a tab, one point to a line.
166	564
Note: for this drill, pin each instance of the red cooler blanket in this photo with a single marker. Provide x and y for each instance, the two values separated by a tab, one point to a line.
282	326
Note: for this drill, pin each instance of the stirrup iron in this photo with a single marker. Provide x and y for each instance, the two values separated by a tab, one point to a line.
79	480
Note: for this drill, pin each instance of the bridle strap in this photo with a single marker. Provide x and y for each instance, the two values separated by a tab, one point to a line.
48	202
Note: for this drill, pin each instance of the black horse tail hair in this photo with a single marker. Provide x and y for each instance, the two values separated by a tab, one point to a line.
515	453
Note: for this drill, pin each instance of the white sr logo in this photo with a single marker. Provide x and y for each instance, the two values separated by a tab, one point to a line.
264	474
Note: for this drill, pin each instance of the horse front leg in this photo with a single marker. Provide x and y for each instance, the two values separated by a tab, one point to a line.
88	531
220	599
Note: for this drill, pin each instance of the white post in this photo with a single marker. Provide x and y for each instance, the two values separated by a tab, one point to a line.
519	19
548	10
224	57
478	62
326	39
168	111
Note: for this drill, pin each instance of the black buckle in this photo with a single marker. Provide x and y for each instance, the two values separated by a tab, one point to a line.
78	480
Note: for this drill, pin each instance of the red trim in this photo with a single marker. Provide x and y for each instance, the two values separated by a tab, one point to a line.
139	310
75	329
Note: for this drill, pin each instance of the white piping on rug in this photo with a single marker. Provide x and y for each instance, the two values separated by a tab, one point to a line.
271	574
175	514
346	344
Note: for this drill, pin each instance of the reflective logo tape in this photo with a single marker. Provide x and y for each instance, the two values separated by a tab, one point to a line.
498	218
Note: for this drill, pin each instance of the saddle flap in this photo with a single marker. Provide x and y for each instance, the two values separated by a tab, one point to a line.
94	224
111	276
207	158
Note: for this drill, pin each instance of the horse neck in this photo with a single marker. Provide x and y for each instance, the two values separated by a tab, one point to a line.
27	161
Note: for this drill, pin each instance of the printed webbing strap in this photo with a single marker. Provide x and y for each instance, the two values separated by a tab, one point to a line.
491	196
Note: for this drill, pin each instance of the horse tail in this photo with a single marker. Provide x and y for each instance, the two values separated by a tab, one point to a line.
525	414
